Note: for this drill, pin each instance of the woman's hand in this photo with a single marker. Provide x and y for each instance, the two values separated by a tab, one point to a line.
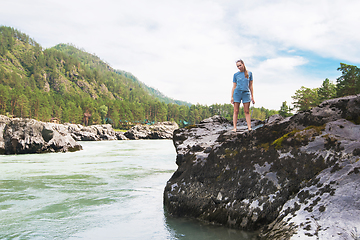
232	100
252	100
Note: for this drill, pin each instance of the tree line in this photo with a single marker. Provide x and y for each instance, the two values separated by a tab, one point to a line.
43	106
306	98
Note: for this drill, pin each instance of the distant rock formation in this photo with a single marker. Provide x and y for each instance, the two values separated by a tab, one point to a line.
23	135
162	130
93	132
290	178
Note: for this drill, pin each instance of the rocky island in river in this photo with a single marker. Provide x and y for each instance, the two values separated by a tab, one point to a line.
290	178
24	135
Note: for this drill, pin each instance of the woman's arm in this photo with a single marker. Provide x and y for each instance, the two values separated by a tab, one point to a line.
251	91
232	92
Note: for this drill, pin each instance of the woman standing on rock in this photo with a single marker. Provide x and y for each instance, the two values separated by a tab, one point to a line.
242	90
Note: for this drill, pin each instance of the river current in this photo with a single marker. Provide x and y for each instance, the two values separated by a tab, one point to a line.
109	190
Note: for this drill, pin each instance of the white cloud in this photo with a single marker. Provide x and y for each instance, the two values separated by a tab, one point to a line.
187	49
326	27
271	66
279	78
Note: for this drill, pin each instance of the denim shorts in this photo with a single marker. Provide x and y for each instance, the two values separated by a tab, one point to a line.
242	95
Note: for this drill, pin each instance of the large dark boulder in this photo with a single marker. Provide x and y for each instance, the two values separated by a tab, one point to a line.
289	178
23	135
161	130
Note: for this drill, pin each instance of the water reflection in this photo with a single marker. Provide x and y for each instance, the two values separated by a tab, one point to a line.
191	229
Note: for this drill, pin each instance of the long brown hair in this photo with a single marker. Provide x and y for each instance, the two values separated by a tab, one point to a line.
245	71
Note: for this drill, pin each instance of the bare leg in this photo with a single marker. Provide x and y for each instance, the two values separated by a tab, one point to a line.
235	116
247	114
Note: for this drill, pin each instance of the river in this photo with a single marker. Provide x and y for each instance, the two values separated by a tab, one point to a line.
109	190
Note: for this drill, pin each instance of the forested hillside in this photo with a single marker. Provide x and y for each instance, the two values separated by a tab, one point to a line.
95	62
67	84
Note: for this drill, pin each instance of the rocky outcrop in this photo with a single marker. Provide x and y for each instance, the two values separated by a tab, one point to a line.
120	135
3	121
19	136
290	178
93	132
162	130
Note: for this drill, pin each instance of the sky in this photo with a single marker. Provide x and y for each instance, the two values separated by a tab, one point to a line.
187	49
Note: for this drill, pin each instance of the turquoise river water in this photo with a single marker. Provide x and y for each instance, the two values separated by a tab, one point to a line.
109	190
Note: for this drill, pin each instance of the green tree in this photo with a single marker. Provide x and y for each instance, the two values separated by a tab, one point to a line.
285	110
194	115
327	90
305	98
22	108
349	82
103	112
57	111
173	112
184	113
257	113
72	111
161	111
65	115
95	118
4	98
114	114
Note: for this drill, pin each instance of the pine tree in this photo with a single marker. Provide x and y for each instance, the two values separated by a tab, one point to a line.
22	107
327	90
285	110
305	98
349	82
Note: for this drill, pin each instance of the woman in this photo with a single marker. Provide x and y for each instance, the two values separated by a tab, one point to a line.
242	91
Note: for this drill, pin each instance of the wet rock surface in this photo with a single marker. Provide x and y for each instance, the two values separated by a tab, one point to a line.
162	130
289	178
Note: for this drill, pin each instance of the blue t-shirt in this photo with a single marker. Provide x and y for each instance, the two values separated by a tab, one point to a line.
242	83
